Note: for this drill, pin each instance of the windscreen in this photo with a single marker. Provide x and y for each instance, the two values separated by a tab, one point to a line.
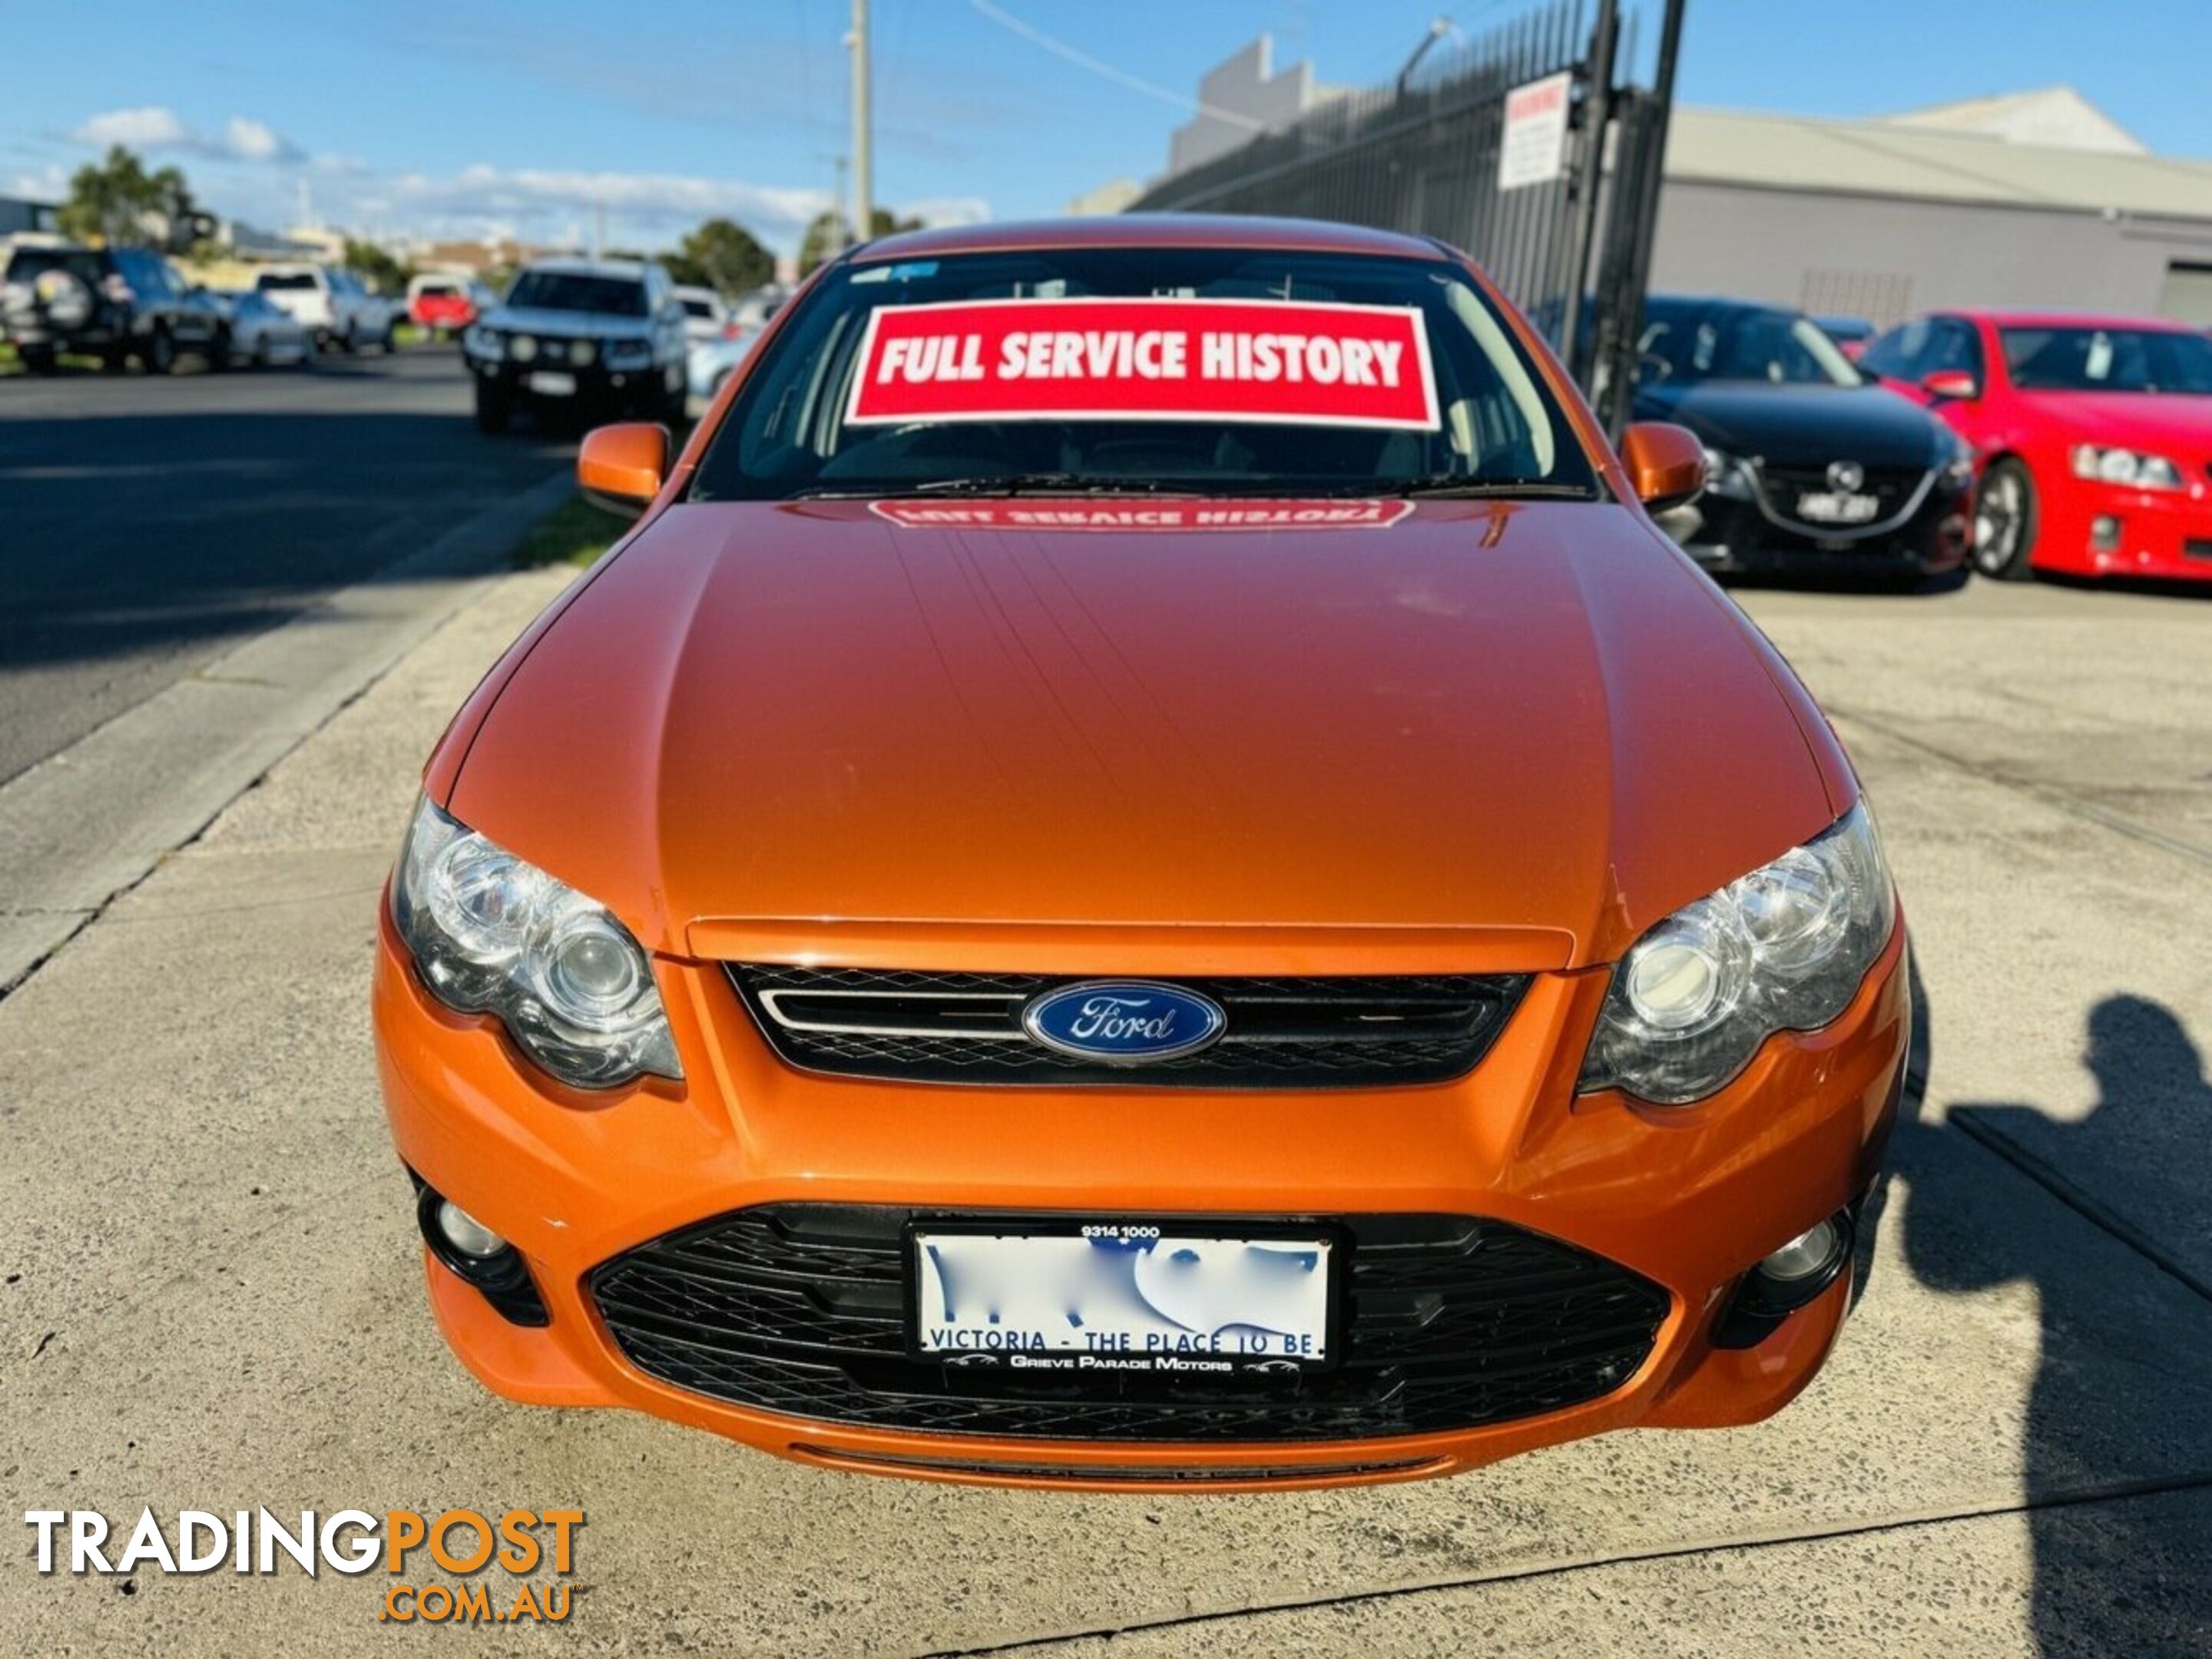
2108	360
569	290
284	281
1738	342
698	307
1207	371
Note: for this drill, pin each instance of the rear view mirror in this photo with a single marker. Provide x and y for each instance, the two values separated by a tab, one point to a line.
1666	464
621	468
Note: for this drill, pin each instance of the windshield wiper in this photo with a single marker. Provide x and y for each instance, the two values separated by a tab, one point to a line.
1046	483
1450	485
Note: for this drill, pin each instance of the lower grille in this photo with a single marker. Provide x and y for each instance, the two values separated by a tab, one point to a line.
1283	1033
1451	1322
1162	1474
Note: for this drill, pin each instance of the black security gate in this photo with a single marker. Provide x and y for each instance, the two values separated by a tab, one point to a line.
1423	156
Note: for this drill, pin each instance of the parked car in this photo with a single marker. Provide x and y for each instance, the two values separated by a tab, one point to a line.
2095	435
1135	880
705	316
262	335
1850	334
112	303
1815	467
440	303
335	305
711	363
596	336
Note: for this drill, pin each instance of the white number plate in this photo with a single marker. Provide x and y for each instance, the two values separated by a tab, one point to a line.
1835	508
1121	1297
548	384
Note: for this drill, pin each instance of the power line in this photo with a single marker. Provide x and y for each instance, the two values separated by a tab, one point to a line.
1082	59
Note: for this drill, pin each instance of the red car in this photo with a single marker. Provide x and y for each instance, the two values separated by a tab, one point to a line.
445	305
2095	435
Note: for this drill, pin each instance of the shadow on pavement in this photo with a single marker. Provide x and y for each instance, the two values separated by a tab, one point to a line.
2117	1464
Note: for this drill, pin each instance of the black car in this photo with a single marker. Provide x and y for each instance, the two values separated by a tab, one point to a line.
1815	467
112	303
593	337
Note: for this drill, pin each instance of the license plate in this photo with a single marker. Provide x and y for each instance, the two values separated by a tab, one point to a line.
553	386
1827	507
1123	1296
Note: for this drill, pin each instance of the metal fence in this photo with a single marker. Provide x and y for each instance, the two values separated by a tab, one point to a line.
1423	156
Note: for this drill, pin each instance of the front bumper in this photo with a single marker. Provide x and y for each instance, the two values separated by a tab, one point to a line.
1687	1199
2091	528
1739	534
596	386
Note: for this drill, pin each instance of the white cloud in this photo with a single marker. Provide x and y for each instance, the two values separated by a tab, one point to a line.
643	201
156	126
150	128
937	210
254	141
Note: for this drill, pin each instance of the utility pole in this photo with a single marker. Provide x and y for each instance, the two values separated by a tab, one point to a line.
864	183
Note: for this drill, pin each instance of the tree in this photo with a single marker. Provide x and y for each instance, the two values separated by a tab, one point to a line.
829	232
116	200
376	267
724	256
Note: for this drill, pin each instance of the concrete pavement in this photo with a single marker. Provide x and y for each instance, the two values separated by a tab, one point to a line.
212	1299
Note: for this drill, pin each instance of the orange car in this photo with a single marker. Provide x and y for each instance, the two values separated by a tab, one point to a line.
1144	872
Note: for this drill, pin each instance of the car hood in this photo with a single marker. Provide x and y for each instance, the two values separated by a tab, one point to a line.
1532	720
2176	424
570	324
1807	424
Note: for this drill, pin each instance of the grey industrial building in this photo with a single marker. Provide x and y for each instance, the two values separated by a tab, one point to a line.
2032	200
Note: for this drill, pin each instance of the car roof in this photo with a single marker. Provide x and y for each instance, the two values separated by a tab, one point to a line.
2075	320
1151	230
632	269
1719	303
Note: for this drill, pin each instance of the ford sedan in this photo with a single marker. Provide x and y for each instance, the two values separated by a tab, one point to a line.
1145	871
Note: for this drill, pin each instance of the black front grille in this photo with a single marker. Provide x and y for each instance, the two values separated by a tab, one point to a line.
1337	1032
1159	1474
1450	1323
1893	488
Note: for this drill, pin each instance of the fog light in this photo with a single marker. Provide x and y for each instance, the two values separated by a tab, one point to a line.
471	1251
2104	532
1785	1280
470	1235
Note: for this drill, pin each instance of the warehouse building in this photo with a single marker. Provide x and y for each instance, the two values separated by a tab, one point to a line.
2033	200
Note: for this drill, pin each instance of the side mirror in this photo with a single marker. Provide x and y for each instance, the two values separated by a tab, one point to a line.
1949	383
621	468
1666	464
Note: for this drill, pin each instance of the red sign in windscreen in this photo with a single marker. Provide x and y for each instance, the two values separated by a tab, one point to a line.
1146	360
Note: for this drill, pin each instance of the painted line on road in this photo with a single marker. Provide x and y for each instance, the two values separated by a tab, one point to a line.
1906	1521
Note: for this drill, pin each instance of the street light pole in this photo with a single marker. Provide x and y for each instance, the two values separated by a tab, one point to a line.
864	199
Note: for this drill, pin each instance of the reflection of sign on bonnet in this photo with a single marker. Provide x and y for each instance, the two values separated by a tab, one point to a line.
1146	359
1093	514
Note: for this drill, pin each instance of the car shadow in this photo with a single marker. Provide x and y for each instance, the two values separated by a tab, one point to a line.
2117	1452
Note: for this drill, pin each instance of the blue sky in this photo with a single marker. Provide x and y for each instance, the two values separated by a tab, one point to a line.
463	116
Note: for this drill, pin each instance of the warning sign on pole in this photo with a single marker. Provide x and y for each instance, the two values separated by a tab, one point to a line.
1533	147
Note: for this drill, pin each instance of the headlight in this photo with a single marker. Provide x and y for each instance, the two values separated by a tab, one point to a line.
522	348
491	934
1956	461
1783	949
478	341
1726	476
2125	466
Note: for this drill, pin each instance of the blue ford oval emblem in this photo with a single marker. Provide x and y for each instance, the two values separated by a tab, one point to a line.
1128	1022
